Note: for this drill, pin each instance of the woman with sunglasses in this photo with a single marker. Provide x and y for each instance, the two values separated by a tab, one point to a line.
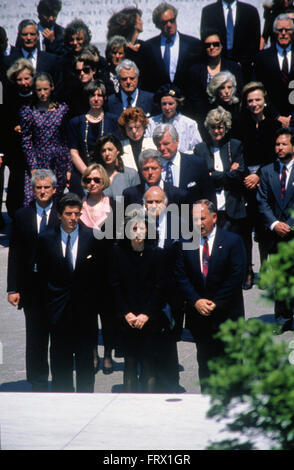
200	74
99	209
85	129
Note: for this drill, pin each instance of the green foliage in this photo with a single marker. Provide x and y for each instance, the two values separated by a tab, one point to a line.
277	274
254	381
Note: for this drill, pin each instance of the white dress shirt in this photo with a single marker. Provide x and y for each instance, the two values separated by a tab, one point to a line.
176	163
280	51
174	53
74	237
40	210
289	166
218	166
210	240
226	11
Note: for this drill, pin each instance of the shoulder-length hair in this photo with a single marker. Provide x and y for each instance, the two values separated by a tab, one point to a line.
103	173
96	154
218	81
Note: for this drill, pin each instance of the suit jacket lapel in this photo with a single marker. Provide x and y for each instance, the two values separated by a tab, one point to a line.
217	246
290	188
276	183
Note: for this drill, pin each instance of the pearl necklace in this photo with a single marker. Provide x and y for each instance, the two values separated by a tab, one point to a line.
87	131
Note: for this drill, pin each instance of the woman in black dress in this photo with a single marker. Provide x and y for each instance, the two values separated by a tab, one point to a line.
84	130
136	282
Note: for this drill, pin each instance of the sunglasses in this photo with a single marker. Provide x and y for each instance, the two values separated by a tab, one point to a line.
172	21
95	179
87	69
214	44
287	30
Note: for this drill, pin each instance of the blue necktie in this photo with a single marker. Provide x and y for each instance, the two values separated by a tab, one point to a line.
166	56
169	174
230	29
43	223
68	254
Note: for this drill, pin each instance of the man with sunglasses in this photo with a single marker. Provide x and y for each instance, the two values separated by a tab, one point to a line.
274	67
171	53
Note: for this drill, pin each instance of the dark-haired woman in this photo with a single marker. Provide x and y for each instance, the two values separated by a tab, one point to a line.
108	151
44	141
136	277
84	130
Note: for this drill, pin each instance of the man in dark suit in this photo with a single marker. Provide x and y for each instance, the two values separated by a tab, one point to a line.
23	285
210	276
167	226
129	95
27	47
151	168
67	261
187	172
274	67
239	27
51	33
170	54
275	199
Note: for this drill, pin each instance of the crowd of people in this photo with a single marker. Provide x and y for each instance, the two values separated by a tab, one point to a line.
138	180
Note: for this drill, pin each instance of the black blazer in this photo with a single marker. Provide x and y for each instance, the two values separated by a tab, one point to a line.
195	179
23	250
144	101
267	70
137	283
270	204
231	181
223	285
155	74
246	31
62	288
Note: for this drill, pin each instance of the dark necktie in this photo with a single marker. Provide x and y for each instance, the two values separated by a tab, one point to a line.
169	173
283	181
43	223
230	29
166	55
68	254
205	257
285	67
130	100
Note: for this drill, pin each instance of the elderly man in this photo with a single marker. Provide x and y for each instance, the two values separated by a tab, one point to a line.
169	55
187	172
274	67
23	284
210	278
27	47
156	202
129	95
151	168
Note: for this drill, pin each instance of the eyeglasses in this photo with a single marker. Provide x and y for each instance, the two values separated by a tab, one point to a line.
87	69
287	30
209	44
95	179
171	20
